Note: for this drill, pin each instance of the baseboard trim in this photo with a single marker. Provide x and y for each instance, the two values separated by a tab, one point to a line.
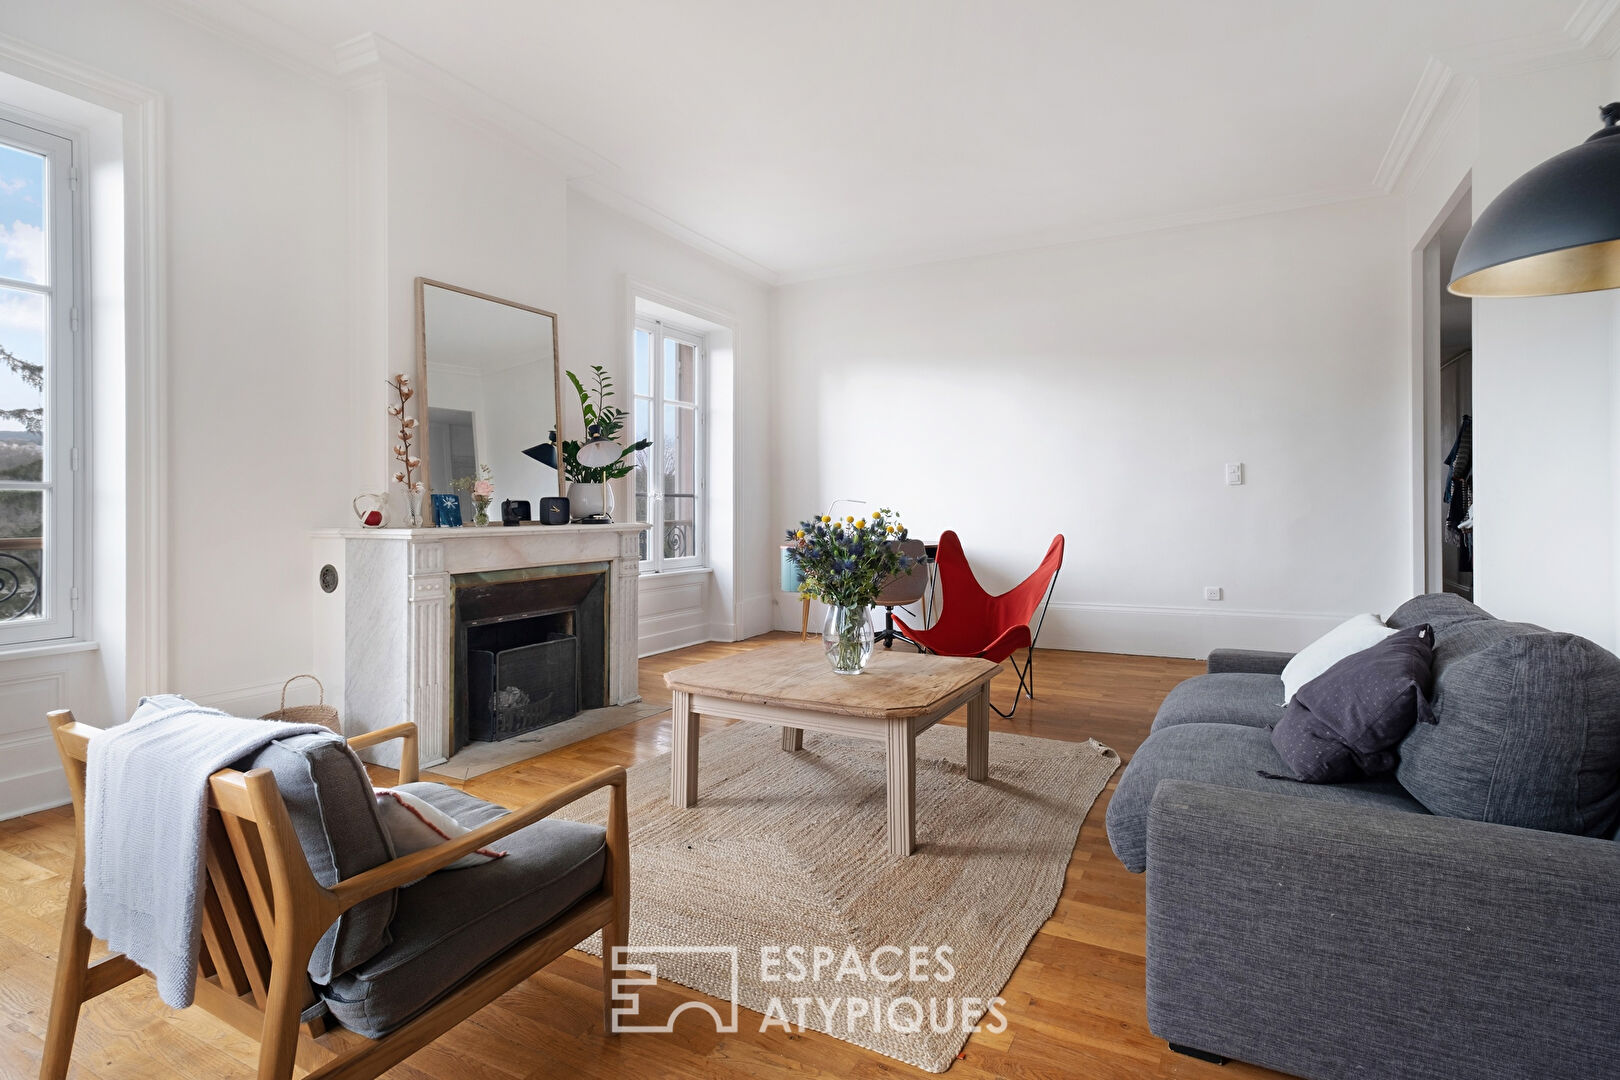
1157	630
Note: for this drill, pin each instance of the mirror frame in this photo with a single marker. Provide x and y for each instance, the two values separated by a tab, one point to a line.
422	380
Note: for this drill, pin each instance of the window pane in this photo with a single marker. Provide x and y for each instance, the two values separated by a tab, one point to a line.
23	341
680	371
644	363
679	456
680	526
21	553
22	215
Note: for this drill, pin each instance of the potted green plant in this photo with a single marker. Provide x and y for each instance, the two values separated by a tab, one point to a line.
844	564
587	484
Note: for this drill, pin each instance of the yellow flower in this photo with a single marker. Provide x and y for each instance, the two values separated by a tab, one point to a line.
800	534
825	519
861	524
850	518
890	528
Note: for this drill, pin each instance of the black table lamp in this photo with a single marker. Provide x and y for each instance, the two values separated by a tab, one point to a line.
1554	230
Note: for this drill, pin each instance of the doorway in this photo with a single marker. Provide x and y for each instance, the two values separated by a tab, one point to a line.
1448	431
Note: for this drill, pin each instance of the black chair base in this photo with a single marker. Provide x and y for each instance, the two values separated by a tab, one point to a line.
1026	684
1201	1055
889	635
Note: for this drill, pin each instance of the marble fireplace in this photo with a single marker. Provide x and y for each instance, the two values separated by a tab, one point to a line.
390	624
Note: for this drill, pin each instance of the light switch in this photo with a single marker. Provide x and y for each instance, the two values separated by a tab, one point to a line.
1234	473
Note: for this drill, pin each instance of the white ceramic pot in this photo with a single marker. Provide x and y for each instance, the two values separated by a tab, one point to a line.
587	500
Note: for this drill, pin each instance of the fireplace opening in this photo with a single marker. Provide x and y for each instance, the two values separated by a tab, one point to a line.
531	650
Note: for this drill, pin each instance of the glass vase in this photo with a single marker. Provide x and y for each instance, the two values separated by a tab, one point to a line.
846	637
413	507
481	512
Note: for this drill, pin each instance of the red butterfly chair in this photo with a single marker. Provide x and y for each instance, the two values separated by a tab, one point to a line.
974	623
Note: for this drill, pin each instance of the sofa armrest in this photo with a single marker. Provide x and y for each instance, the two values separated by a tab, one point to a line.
1250	661
1323	939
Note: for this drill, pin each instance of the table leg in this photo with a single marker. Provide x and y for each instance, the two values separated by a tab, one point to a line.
978	735
683	754
902	747
793	738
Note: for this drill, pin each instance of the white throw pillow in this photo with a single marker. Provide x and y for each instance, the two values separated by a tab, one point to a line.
414	824
1349	637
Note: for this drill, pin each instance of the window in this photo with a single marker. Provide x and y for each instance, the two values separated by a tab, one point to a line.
669	475
39	384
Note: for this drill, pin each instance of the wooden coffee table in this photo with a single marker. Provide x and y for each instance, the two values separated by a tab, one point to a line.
791	686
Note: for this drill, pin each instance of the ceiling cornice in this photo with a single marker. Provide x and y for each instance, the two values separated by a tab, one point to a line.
372	57
595	189
1450	79
257	33
1087	234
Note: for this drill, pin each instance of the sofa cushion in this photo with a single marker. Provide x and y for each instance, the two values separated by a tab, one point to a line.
1526	731
1225	754
1347	722
1225	698
1438	610
1351	636
451	923
334	813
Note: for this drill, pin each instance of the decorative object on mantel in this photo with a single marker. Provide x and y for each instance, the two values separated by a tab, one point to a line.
514	511
554	510
1554	230
320	713
402	449
481	489
447	510
371	509
592	464
844	564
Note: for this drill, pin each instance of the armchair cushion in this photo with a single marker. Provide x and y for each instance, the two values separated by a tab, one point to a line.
333	811
451	923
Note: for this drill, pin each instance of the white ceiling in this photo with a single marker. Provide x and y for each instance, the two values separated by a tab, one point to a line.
812	137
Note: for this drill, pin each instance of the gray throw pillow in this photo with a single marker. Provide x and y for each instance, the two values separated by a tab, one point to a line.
1345	723
1526	732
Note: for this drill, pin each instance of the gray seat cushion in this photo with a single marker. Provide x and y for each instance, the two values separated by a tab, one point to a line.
1439	610
451	923
1253	700
1526	731
334	812
1231	756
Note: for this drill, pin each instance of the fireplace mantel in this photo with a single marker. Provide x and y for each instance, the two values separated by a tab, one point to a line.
392	635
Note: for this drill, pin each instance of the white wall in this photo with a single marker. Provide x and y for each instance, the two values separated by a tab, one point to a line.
1544	391
606	253
1097	390
253	173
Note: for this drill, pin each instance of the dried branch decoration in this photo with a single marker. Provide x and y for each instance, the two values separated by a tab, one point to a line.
401	385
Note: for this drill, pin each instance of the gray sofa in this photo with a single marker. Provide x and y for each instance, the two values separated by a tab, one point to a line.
1391	928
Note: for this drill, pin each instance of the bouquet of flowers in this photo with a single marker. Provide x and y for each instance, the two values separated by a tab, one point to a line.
481	489
844	564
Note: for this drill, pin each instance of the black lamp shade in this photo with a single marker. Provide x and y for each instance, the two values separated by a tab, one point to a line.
1556	229
545	453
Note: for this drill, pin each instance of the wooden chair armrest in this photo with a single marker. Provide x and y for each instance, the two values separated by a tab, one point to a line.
414	867
408	761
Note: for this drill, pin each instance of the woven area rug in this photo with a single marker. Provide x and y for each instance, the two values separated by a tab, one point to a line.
785	858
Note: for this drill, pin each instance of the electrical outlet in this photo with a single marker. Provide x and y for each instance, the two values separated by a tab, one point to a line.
1212	592
1234	473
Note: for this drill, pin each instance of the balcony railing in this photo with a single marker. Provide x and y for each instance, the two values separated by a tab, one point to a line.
20	561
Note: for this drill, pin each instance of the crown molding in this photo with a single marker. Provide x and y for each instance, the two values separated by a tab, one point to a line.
370	58
1450	81
599	191
257	33
1090	234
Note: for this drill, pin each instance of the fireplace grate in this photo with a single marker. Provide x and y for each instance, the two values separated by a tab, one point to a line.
524	688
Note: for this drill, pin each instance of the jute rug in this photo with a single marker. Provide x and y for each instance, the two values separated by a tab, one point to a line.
782	874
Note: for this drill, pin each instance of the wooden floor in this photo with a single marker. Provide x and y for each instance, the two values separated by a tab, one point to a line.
1075	1003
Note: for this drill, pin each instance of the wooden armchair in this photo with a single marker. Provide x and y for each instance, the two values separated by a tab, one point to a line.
265	912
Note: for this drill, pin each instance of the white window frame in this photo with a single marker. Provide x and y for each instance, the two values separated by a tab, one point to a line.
64	558
655	562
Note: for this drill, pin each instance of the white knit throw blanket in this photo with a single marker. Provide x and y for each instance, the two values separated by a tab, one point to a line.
145	818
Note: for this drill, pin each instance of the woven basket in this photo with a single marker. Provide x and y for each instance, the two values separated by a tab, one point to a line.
322	713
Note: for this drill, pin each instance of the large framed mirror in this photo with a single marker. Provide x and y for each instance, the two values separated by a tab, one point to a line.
490	381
